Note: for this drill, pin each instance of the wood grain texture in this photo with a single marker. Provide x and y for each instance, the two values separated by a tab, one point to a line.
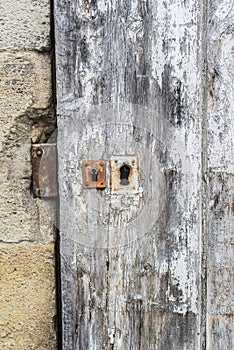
220	267
129	81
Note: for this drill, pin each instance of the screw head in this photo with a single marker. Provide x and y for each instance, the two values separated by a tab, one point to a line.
39	152
38	191
86	183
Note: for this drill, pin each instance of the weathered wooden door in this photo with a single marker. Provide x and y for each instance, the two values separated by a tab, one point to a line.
144	88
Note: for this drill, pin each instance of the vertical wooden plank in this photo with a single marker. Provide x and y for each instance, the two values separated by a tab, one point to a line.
220	305
129	82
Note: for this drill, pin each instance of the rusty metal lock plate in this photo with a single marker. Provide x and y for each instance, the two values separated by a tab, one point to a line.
94	173
44	170
124	174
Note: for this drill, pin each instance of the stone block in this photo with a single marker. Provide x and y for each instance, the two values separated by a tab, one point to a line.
25	83
25	116
27	297
25	24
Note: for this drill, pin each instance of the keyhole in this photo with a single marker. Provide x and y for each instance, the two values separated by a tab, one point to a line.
94	173
124	174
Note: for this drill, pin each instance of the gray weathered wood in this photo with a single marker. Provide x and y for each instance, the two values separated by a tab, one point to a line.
131	80
220	266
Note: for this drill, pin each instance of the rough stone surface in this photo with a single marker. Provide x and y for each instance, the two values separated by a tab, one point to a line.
27	297
27	258
24	24
25	82
25	110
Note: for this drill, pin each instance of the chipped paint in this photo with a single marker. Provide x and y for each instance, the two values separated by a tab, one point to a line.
131	79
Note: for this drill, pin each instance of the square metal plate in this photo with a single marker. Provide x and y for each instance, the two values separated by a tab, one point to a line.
116	162
89	169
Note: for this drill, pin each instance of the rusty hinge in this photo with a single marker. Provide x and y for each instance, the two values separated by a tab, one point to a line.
44	170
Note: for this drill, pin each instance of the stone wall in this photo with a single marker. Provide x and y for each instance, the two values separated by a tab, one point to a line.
27	257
